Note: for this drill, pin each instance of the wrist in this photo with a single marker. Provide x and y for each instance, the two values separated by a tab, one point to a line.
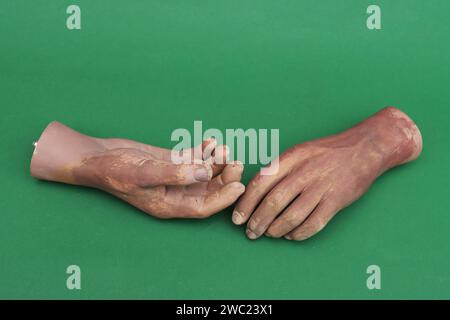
393	136
59	151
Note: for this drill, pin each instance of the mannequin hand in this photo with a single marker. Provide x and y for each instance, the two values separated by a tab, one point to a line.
140	174
317	179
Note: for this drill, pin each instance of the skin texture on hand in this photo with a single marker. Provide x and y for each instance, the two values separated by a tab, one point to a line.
140	174
319	178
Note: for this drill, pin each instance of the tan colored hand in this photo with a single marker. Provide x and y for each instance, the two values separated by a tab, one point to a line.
317	179
140	174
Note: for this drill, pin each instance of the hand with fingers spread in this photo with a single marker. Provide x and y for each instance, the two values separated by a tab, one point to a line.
142	175
317	179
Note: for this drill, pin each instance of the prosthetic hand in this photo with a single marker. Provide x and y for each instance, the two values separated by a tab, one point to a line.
140	174
317	179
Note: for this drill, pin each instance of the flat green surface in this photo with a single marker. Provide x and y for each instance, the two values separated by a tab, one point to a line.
140	69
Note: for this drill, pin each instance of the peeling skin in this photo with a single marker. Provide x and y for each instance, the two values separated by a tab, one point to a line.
140	174
319	178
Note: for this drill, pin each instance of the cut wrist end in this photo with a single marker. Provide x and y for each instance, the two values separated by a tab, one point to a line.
37	166
409	129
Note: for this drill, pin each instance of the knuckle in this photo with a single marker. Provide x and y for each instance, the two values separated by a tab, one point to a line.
253	184
289	222
321	223
272	232
274	200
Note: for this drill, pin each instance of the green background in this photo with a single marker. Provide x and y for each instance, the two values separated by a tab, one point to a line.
140	69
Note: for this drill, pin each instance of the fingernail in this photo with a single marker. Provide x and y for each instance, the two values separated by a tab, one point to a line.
288	237
201	174
237	217
251	235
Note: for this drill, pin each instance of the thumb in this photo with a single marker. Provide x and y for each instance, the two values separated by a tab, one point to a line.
156	172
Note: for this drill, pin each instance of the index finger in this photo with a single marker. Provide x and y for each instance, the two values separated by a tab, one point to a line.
258	187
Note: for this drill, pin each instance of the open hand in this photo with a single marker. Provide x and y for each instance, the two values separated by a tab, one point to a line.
317	179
